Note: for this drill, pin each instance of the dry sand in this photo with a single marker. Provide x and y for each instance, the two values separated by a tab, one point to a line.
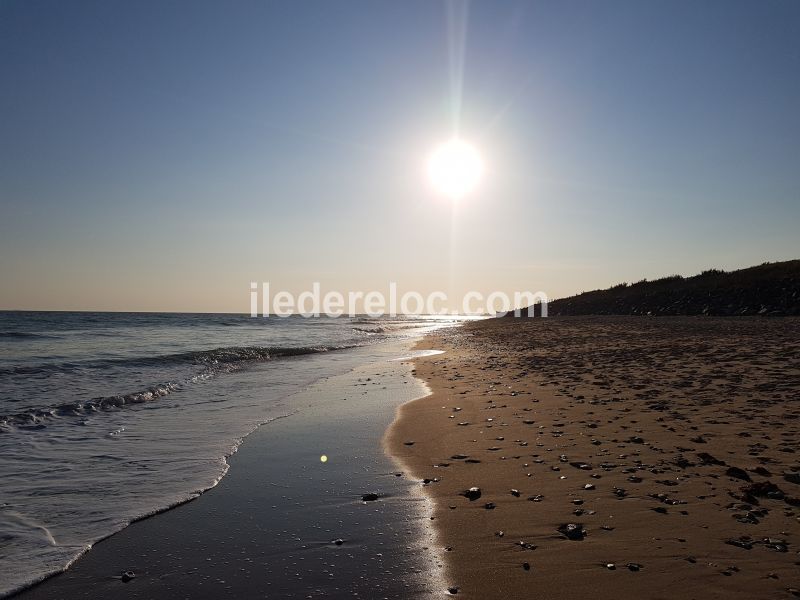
669	441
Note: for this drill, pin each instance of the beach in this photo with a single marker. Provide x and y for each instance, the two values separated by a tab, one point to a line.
611	457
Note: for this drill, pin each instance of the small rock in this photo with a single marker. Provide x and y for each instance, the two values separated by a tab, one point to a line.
489	506
472	493
742	542
370	497
707	459
611	566
737	473
572	531
526	566
792	477
408	443
338	541
127	576
515	493
634	567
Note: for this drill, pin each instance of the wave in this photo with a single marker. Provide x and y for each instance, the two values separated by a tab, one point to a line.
369	330
214	362
207	358
23	335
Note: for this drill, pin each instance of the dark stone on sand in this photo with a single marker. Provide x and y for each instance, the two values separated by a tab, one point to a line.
776	544
458	456
635	567
515	493
369	497
707	459
572	531
792	477
737	473
408	443
527	546
452	590
636	439
128	576
526	566
581	465
698	440
761	489
742	542
472	493
472	461
338	541
660	509
489	506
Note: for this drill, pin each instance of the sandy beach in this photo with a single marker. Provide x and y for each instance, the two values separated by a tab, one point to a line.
612	457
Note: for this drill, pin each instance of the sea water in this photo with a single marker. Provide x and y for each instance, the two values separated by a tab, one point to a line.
106	418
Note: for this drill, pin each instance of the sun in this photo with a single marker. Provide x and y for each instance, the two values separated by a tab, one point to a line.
455	168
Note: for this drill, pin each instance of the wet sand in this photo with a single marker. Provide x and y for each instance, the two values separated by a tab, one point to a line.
616	457
281	523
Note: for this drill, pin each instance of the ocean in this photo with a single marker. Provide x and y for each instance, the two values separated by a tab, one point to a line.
106	418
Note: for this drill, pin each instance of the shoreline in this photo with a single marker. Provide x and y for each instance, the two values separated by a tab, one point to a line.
195	495
654	437
276	485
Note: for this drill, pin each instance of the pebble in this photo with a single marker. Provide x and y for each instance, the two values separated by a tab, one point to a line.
472	493
572	531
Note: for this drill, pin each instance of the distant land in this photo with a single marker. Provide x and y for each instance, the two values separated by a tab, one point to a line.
766	289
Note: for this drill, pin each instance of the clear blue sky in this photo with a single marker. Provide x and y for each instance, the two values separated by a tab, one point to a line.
161	155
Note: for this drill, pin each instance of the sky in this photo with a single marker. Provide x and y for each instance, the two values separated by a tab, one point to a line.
162	155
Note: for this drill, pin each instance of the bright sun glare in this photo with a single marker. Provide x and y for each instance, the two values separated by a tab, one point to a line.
455	168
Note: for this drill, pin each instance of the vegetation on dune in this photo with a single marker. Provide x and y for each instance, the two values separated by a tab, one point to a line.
766	289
